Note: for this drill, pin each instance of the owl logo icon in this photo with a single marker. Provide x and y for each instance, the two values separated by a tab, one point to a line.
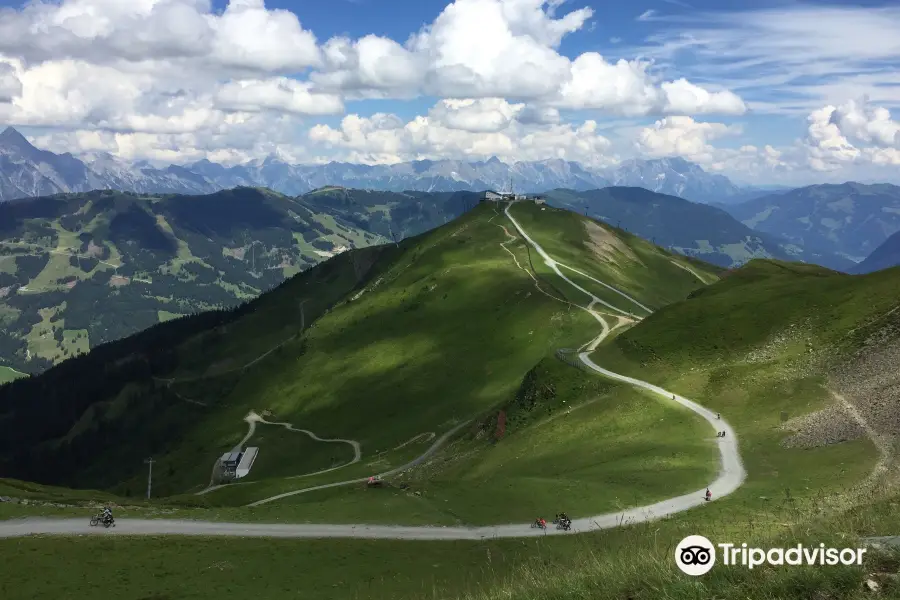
695	555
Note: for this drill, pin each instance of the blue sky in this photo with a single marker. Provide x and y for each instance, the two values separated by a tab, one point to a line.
784	91
615	29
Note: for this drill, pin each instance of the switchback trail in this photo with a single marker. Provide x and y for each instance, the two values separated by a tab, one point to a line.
252	419
434	448
731	476
731	470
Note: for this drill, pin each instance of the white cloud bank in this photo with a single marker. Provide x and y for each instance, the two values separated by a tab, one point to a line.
834	129
173	80
462	129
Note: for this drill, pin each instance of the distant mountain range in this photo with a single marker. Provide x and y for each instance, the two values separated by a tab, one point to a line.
850	219
26	171
689	228
832	225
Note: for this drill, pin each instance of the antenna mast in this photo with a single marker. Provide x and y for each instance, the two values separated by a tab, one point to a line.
150	462
507	184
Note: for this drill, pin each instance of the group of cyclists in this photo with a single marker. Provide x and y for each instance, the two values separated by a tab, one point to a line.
562	520
104	517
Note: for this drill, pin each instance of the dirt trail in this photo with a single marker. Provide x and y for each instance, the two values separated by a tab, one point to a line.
689	270
885	450
606	285
537	283
434	448
252	419
554	265
428	436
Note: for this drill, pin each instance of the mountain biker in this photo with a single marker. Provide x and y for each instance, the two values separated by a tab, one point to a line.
106	515
708	495
541	522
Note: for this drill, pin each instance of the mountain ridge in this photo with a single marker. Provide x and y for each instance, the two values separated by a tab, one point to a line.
689	228
372	316
885	256
850	219
26	171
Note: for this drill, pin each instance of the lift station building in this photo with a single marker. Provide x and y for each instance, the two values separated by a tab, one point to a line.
237	464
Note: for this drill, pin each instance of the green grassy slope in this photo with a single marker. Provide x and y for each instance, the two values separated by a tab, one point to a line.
46	493
646	272
762	342
771	337
131	407
441	331
9	374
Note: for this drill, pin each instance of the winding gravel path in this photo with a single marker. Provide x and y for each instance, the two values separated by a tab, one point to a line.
731	470
731	476
421	458
252	419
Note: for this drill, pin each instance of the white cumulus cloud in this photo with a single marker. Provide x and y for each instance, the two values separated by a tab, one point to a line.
282	94
829	145
10	84
484	115
685	137
517	58
183	79
181	67
869	124
683	97
448	132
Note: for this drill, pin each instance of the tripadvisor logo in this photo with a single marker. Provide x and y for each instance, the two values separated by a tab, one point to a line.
696	555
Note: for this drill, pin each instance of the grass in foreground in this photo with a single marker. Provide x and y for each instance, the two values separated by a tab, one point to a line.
633	562
638	562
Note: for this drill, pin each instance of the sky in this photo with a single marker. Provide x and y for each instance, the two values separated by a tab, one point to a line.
764	92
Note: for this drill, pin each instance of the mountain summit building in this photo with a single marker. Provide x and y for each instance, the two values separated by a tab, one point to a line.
491	196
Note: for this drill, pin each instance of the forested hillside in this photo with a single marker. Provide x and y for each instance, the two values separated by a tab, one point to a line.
79	270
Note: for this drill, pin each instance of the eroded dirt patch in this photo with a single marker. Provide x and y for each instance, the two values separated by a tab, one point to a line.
867	384
871	382
94	250
829	426
607	247
237	253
